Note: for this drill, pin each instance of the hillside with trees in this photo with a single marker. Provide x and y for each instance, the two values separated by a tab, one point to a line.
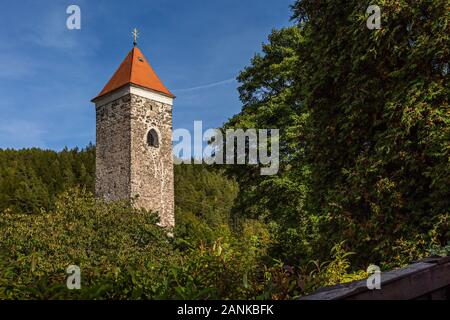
364	176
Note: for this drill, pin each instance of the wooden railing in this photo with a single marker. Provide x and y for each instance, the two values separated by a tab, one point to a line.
427	279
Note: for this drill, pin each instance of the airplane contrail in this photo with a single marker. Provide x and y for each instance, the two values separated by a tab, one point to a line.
210	85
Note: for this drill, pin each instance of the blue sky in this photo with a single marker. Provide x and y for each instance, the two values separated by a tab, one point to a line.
48	74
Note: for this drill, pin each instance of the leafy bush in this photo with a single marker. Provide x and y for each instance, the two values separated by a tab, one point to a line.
124	254
105	240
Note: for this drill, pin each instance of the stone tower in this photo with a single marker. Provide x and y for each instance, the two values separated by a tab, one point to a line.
134	139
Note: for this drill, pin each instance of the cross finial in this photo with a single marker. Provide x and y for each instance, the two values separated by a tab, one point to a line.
135	34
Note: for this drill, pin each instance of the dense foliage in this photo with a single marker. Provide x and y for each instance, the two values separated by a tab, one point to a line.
122	253
364	176
365	131
270	100
30	179
203	202
377	142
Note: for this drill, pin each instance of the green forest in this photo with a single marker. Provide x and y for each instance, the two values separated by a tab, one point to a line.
364	176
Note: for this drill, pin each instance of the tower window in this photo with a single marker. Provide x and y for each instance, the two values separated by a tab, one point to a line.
152	138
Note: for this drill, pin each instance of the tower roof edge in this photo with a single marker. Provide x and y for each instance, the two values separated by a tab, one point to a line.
136	70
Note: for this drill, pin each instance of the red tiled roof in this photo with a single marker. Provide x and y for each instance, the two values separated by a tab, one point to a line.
136	70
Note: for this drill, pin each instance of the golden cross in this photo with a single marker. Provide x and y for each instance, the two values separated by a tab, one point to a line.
135	34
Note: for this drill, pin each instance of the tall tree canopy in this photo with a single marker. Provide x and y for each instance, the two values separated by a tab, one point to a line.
378	139
272	100
364	120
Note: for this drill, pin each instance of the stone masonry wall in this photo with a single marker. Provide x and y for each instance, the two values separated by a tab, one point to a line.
113	155
127	168
152	167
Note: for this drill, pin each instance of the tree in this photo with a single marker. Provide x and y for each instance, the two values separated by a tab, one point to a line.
272	100
203	201
378	135
30	179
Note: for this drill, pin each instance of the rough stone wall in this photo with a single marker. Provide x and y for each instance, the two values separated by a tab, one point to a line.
113	155
127	167
152	167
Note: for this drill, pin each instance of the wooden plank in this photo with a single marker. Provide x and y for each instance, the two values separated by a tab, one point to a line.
416	280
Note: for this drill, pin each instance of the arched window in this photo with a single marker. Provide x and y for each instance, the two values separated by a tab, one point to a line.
152	138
